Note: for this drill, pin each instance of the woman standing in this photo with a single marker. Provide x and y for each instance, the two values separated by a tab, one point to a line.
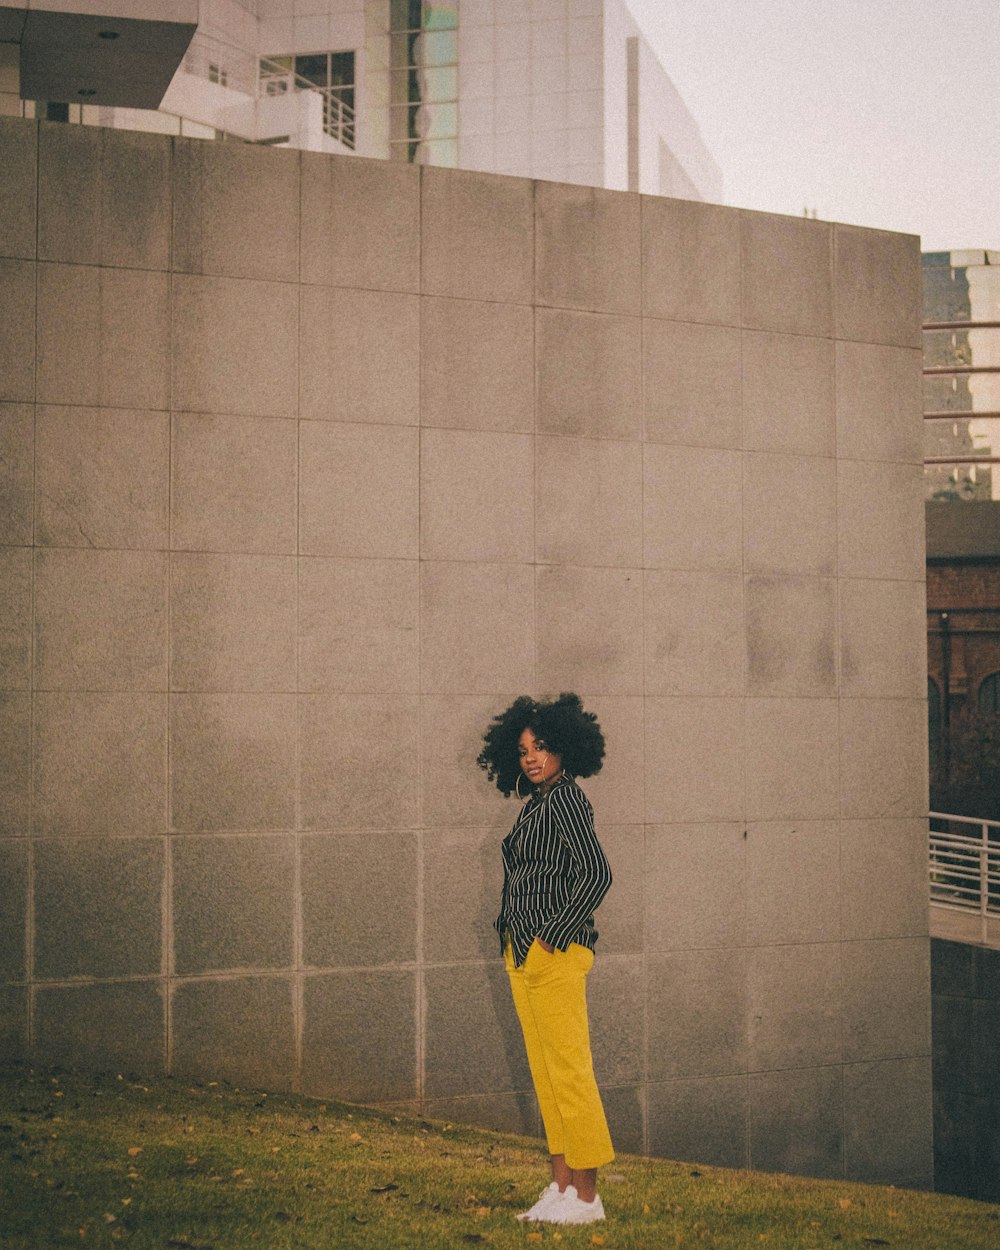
555	875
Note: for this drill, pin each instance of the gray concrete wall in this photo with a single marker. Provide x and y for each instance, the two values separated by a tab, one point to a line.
309	465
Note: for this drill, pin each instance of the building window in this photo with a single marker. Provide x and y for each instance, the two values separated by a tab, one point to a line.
216	73
424	93
989	694
933	722
330	73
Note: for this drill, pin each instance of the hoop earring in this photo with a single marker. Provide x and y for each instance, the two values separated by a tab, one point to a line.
517	787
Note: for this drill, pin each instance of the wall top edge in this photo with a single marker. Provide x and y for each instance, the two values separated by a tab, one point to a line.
434	172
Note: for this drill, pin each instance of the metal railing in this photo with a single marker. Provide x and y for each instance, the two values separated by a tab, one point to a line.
338	116
965	866
229	66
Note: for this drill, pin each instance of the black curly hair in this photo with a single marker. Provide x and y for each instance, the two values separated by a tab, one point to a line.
562	724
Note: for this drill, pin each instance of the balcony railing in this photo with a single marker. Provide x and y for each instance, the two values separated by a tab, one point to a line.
228	66
965	867
277	78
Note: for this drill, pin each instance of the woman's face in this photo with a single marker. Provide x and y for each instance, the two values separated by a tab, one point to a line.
538	764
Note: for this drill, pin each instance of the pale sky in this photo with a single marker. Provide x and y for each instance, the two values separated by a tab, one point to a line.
882	113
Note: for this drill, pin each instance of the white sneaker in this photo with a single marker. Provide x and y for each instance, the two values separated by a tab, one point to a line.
551	1197
573	1210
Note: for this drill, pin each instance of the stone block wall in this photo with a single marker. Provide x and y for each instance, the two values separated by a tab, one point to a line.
311	464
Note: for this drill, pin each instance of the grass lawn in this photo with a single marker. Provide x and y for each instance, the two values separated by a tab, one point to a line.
101	1161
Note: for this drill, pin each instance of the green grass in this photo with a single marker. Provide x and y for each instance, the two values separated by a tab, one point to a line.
105	1161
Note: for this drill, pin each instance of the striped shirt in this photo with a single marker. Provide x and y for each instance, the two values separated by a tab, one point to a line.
554	873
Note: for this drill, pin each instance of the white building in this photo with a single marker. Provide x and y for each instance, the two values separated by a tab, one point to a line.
567	90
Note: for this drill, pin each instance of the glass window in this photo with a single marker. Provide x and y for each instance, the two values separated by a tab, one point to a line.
427	121
341	69
440	17
331	73
314	69
432	85
437	152
411	15
423	60
989	694
435	49
405	15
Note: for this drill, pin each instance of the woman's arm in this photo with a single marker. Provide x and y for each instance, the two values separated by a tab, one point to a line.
573	820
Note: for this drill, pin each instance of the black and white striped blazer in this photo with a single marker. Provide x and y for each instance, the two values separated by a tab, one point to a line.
554	872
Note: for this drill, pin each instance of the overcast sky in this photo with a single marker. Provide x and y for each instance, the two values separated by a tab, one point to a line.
878	112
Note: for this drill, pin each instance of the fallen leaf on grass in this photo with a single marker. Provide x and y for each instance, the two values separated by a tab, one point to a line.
844	1203
534	1236
135	1150
355	1137
598	1240
645	1208
191	1160
482	1211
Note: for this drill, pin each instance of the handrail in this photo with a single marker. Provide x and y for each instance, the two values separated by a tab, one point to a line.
234	67
338	116
965	868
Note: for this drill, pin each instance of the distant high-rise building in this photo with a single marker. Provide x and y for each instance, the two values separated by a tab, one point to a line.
568	90
962	473
962	374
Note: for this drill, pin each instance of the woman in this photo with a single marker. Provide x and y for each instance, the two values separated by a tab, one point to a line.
555	874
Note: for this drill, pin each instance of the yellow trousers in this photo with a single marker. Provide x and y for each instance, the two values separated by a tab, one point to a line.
550	995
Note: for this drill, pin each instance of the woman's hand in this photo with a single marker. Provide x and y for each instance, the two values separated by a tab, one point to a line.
546	946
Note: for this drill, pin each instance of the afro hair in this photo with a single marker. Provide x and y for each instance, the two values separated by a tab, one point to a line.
561	724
